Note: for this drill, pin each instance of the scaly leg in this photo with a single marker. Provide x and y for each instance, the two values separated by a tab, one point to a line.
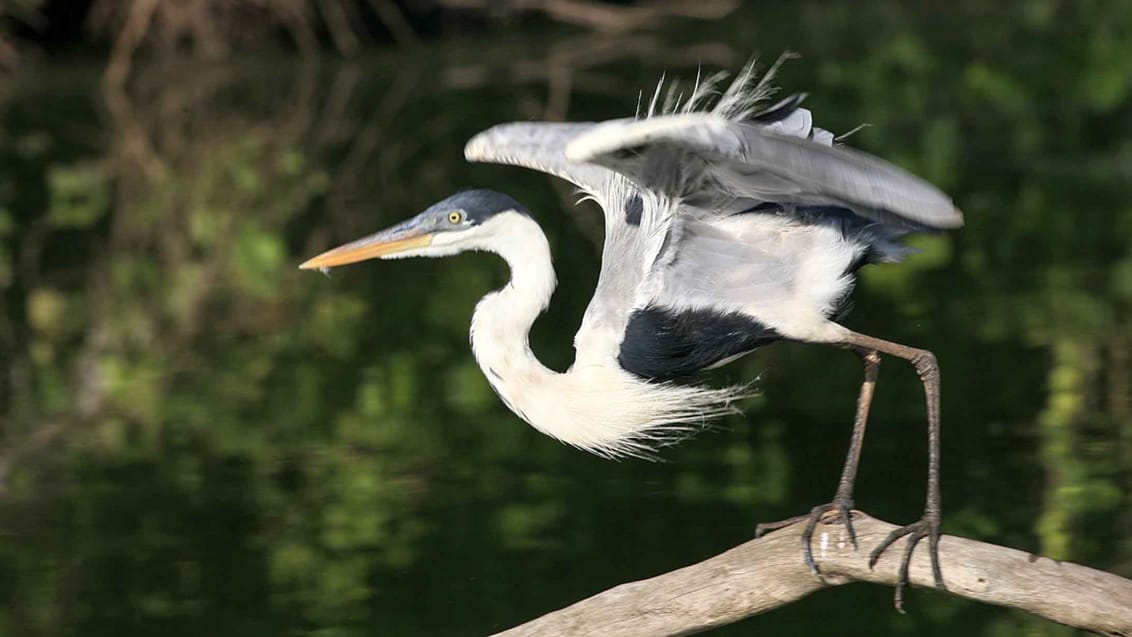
928	526
843	498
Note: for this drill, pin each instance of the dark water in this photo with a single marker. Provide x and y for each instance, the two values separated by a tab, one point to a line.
200	439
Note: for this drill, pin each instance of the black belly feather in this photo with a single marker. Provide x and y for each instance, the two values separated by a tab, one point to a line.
662	344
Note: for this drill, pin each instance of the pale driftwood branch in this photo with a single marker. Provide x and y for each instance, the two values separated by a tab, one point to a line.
766	573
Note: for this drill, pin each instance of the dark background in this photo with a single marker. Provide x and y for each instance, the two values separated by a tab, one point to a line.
197	438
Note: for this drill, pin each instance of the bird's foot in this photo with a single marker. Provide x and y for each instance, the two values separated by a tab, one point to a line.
843	506
927	527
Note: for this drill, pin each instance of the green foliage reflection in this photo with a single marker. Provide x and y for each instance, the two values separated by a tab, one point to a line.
198	437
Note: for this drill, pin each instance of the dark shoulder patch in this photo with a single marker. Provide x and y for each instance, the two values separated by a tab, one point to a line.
634	208
663	344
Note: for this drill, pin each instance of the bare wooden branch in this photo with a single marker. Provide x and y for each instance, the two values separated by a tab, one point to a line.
767	573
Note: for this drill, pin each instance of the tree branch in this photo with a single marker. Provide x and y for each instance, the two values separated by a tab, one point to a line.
768	572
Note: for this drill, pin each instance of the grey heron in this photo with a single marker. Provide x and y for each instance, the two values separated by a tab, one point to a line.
729	224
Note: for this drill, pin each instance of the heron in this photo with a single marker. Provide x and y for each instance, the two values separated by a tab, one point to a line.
731	222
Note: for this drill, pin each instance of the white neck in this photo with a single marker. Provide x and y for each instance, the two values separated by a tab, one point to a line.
503	319
595	406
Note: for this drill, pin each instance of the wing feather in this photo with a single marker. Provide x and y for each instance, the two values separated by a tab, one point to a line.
540	146
629	248
684	172
706	157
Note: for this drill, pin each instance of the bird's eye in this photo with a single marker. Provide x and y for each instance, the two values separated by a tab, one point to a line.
455	217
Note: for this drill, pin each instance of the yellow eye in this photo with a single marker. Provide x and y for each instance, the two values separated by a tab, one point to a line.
454	217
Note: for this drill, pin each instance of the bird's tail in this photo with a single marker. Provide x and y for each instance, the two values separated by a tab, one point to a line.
612	413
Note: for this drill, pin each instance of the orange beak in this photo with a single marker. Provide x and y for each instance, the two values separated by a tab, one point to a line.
399	238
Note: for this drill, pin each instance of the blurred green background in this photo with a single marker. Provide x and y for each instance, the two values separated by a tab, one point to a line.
197	438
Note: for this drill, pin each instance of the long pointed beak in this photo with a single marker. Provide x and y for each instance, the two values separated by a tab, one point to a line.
399	238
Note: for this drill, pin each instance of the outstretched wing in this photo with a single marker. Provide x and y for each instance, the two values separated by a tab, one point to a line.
671	186
712	161
768	221
633	234
540	146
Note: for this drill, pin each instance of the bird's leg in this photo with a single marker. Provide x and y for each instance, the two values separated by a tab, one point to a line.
843	498
928	526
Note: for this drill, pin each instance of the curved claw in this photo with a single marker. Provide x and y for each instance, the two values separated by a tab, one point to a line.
928	527
844	510
844	515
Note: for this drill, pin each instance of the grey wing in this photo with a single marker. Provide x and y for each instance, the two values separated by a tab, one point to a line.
627	254
540	146
724	283
718	163
788	276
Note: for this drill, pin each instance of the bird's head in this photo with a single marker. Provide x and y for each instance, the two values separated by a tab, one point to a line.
469	220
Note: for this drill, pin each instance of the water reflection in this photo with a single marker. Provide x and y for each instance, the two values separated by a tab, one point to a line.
199	437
